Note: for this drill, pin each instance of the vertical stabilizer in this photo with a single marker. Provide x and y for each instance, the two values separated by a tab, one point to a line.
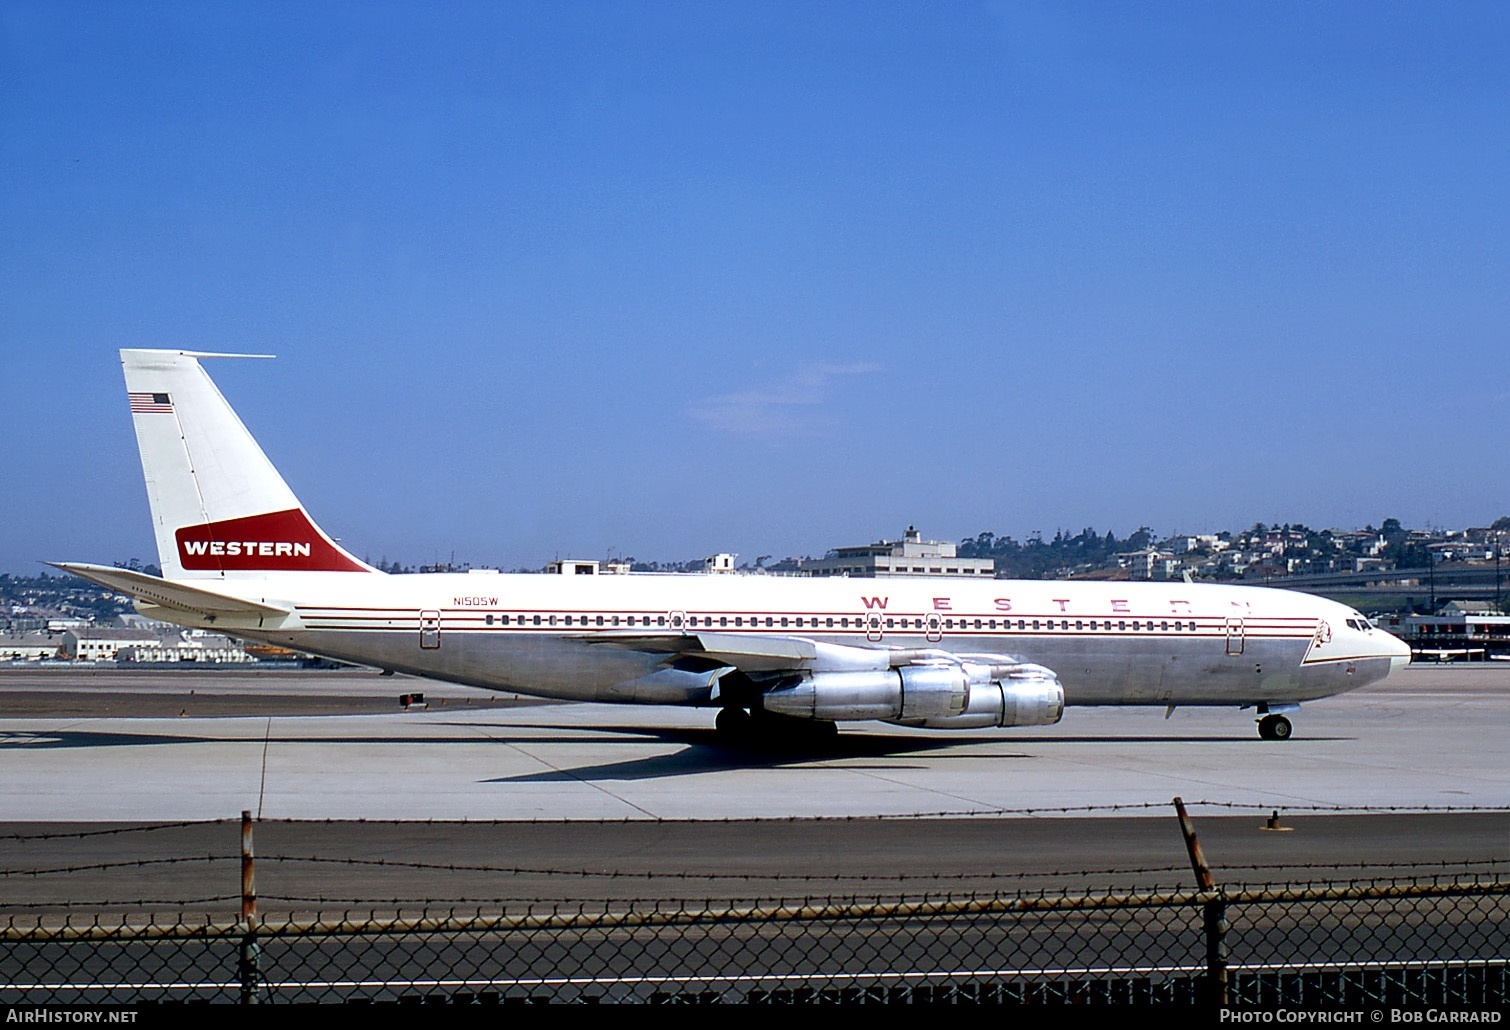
219	507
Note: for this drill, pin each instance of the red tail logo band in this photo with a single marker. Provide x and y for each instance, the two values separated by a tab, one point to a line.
279	541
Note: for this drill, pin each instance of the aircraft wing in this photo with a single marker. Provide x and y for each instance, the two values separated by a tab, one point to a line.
815	679
747	653
169	593
756	654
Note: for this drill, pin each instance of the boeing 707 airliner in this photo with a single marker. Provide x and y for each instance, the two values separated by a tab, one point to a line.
240	554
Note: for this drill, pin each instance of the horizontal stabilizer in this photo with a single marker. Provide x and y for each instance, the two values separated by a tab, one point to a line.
169	593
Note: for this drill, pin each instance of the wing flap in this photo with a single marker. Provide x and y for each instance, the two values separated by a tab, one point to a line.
755	654
748	653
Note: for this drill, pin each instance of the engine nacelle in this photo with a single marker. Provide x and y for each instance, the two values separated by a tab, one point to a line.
913	693
1018	695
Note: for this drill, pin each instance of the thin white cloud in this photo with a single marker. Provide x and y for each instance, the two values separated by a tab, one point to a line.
780	409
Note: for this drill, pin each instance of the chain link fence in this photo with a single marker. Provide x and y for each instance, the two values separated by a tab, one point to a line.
1396	943
1400	938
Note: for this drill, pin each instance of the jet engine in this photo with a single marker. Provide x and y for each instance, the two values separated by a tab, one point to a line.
914	694
1020	694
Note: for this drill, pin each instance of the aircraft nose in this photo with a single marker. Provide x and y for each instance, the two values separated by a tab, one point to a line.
1397	650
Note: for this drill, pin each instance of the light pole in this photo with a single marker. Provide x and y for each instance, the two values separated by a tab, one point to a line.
1497	605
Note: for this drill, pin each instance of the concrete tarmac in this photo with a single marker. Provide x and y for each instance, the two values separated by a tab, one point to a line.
1431	737
482	798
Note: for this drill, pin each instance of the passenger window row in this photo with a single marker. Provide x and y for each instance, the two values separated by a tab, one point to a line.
843	622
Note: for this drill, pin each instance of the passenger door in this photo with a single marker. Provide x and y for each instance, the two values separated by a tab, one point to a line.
429	630
1234	636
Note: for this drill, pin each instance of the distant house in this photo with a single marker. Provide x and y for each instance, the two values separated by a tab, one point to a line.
1142	564
1170	568
1359	541
1198	542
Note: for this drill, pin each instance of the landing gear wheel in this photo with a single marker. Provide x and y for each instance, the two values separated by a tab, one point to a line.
1274	727
734	724
758	728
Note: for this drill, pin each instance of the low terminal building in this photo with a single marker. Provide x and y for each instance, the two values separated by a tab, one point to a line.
29	646
910	556
143	646
181	653
586	567
716	563
1460	631
103	643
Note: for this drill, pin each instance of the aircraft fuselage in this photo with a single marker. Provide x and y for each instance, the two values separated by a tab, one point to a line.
1110	644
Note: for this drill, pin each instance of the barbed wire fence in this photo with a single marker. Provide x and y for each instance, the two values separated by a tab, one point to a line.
1415	935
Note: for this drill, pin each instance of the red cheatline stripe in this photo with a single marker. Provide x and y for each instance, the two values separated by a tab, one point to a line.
359	623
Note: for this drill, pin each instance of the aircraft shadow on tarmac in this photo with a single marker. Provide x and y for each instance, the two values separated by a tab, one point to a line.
39	740
14	740
702	749
705	751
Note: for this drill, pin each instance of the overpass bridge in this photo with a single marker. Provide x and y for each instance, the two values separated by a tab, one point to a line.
1430	586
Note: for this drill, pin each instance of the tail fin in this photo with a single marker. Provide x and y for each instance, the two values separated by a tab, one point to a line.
219	508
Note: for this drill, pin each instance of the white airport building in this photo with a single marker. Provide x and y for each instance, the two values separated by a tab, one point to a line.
104	644
29	646
910	556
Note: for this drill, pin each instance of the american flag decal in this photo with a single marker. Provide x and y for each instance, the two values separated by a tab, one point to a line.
146	403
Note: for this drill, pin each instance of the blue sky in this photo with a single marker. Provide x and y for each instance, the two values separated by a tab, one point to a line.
664	279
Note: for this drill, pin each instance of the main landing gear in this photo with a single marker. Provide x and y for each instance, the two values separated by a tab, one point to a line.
733	723
1274	727
756	727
